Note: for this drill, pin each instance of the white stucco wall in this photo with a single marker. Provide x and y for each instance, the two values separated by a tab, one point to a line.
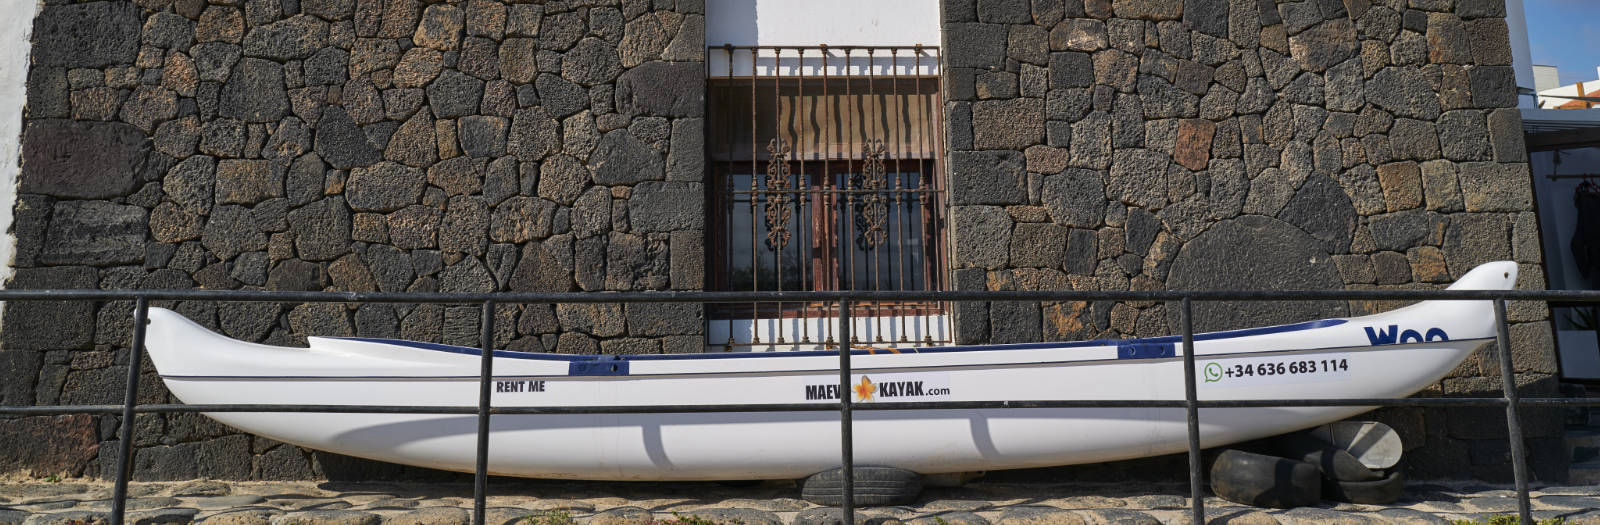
832	22
15	28
837	23
1521	52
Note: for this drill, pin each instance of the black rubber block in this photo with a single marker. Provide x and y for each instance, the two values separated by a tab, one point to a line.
1338	465
1265	481
1381	491
874	486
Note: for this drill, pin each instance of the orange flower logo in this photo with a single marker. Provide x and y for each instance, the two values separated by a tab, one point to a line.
865	389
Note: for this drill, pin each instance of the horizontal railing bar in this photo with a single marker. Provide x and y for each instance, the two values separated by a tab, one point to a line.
829	47
831	190
813	407
1584	296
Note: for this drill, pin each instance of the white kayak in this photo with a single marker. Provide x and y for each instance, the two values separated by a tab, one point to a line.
1392	354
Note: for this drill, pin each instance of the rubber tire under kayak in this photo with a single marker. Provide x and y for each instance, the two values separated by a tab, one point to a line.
1377	492
1338	465
874	486
1265	481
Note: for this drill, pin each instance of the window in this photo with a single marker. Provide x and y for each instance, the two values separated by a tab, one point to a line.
825	177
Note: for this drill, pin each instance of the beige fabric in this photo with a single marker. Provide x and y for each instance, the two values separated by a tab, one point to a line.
823	120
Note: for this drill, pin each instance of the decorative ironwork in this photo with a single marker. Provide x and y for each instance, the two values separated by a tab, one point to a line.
777	197
873	211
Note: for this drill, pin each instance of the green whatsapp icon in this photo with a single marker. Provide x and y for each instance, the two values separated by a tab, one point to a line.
1213	372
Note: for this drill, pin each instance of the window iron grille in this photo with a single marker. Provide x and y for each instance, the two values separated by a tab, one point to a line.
825	176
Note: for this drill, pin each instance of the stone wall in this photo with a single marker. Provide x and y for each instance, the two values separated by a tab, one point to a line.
391	145
472	146
1215	144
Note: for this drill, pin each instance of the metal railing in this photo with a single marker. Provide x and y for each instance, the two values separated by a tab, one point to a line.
1510	399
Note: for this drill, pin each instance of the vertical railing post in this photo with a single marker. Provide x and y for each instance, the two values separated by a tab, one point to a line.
130	397
1191	408
847	503
480	481
1519	463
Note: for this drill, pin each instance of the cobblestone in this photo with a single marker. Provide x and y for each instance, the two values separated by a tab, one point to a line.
764	503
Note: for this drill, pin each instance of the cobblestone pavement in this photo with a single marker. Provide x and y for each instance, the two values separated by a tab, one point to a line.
771	503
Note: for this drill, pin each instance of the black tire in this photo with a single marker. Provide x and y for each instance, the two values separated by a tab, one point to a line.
1298	444
1338	465
1265	481
1381	491
874	486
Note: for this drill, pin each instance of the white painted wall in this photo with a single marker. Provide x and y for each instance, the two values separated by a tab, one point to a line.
837	23
15	29
1521	52
832	22
1546	77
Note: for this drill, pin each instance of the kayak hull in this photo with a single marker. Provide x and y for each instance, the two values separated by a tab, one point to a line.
1393	354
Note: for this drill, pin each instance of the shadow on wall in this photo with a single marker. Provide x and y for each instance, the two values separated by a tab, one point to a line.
731	22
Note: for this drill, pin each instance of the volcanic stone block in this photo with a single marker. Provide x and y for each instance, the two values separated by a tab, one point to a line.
593	61
1401	183
660	319
298	37
82	160
666	206
465	227
440	27
1447	40
667	89
321	229
1008	124
385	186
454	95
1493	86
988	177
1139	177
686	157
975	45
620	158
341	143
1281	256
1014	322
48	325
1404	92
533	135
518	62
248	181
1193	149
1038	245
982	236
414	143
54	444
1472	239
1322	209
1490	186
521	219
1207	16
86	35
1075	197
1070	69
1078	34
95	233
1028	43
1148	9
254	92
231	231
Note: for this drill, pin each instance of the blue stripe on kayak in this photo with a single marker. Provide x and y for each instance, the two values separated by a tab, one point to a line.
599	367
1145	348
1146	351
